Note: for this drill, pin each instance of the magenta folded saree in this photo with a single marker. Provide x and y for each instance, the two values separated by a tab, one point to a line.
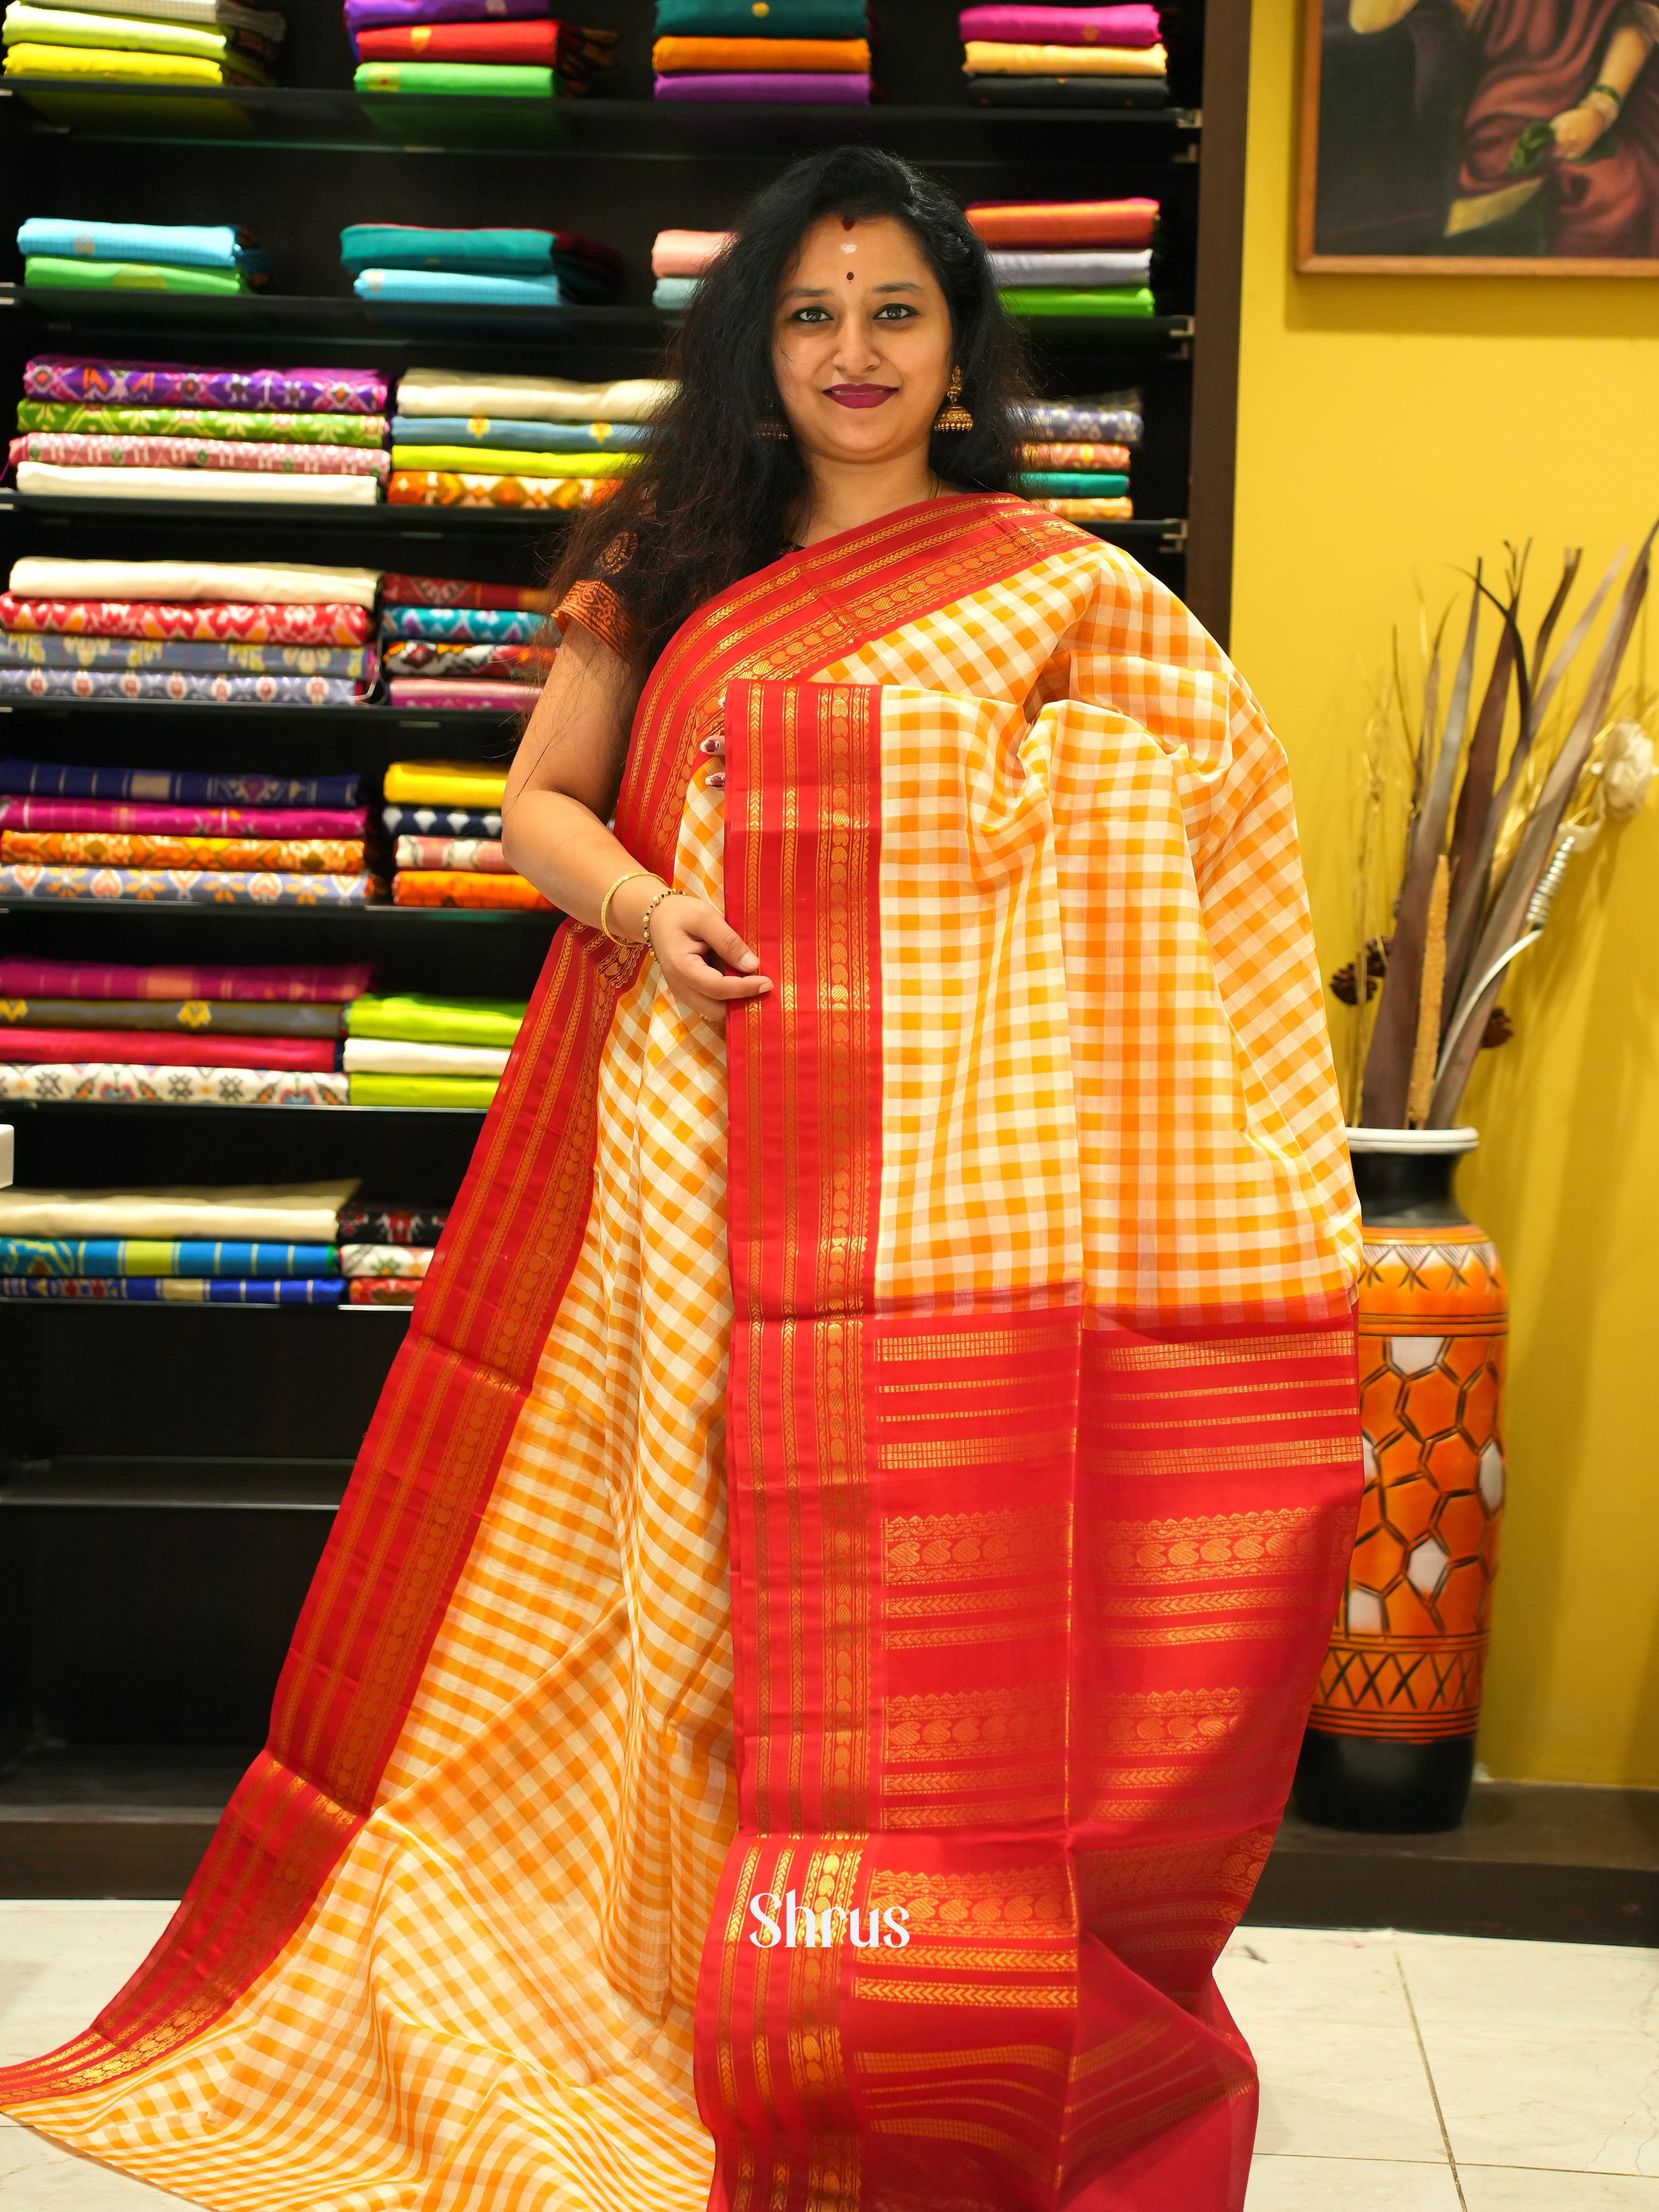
24	1047
107	816
801	87
441	692
83	449
377	14
65	376
78	979
1133	25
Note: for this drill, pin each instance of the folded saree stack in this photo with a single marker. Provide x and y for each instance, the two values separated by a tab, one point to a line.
678	260
458	861
403	263
160	42
386	1247
447	643
195	1036
805	51
180	837
216	259
1065	57
258	1244
202	632
514	441
1089	258
418	1050
144	429
505	49
1077	452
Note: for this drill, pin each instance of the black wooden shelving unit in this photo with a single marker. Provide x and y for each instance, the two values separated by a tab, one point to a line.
167	1473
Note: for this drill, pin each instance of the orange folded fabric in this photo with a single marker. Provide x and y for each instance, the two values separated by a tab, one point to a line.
1076	510
1065	222
461	887
673	56
1075	457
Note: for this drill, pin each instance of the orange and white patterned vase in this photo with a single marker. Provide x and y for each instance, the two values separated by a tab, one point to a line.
1391	1742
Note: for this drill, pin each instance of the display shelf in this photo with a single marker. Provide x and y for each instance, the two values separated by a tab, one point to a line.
164	1482
374	732
417	916
21	1110
338	118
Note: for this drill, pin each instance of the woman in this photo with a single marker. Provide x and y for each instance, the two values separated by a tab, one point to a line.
814	1653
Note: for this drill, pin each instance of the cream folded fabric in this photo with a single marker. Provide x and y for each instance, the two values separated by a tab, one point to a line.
987	59
405	1262
253	1213
275	583
531	398
41	480
385	1056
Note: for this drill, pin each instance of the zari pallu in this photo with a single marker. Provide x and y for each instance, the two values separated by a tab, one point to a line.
910	1474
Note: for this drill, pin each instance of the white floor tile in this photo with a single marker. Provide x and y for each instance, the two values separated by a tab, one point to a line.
1542	2054
37	2176
60	1962
1525	2189
1349	2184
1326	2015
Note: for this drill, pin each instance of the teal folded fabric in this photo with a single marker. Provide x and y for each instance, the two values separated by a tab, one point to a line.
675	292
523	437
1063	483
177	246
438	287
784	19
505	80
478	253
128	1255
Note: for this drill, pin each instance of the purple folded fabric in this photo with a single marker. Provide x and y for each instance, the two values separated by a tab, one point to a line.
381	15
72	377
1132	26
844	89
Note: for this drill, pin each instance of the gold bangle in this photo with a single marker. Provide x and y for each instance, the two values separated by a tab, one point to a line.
645	919
632	877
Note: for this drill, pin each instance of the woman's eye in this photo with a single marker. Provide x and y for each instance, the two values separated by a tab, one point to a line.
895	312
810	315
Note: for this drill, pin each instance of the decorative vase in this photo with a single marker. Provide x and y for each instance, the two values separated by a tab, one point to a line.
1391	1742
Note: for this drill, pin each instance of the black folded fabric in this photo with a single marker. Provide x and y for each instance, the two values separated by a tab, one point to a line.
391	1221
1069	91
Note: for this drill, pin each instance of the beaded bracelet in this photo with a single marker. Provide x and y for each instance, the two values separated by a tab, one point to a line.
645	919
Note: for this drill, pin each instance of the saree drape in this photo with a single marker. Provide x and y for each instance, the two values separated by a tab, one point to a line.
908	1471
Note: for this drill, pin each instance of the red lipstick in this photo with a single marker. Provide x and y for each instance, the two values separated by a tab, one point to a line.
860	395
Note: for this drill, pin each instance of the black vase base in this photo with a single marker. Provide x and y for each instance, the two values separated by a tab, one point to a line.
1378	1788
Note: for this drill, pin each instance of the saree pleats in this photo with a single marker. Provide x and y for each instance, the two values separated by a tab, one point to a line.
949	1547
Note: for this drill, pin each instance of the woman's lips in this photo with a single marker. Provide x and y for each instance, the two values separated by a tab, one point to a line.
860	395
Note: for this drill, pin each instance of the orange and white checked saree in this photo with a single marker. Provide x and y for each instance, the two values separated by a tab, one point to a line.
957	1539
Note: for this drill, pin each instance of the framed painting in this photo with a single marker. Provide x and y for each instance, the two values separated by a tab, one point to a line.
1465	137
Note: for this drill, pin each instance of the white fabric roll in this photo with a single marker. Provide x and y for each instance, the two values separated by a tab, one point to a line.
274	1213
44	480
394	1056
275	583
1072	268
531	398
406	1261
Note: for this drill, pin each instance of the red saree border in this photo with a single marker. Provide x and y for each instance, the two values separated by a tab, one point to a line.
424	1477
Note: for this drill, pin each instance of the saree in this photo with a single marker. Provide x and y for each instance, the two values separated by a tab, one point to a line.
896	1456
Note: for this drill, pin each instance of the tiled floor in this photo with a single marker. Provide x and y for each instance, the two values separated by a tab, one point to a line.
1398	2073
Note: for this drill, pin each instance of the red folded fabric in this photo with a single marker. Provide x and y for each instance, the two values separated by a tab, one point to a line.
401	591
160	1048
543	45
75	979
1065	222
218	624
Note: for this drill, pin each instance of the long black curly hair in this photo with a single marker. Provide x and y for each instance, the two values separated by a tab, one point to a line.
711	501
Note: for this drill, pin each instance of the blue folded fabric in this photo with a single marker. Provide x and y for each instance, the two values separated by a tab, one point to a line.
178	1289
120	1255
439	287
674	292
174	245
1068	484
527	437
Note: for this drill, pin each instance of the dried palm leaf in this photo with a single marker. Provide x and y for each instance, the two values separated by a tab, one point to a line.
1473	830
1427	1050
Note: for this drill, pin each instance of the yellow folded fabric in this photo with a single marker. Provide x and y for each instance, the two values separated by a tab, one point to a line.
669	56
123	66
986	58
445	783
71	27
497	460
1089	510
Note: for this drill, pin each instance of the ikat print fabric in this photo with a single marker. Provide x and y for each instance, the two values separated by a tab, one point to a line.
256	423
180	687
378	1290
313	856
482	854
487	626
190	657
390	1221
180	1290
457	488
219	622
188	886
407	1262
75	377
455	822
78	449
128	1084
421	657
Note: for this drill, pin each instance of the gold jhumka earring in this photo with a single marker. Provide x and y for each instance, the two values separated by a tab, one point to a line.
770	426
953	415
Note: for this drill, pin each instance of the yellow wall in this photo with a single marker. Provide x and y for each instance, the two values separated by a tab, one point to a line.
1391	428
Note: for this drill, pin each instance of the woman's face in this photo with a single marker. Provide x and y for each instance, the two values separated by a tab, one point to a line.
862	341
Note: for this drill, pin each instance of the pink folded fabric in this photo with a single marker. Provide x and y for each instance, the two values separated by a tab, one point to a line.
686	252
113	815
99	449
801	87
33	1047
1132	26
435	691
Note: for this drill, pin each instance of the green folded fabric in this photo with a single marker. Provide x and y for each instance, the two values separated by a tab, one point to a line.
1111	300
71	27
493	460
202	423
782	19
475	1092
50	272
506	80
417	1018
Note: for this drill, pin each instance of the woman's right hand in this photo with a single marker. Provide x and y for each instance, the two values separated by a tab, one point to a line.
688	936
